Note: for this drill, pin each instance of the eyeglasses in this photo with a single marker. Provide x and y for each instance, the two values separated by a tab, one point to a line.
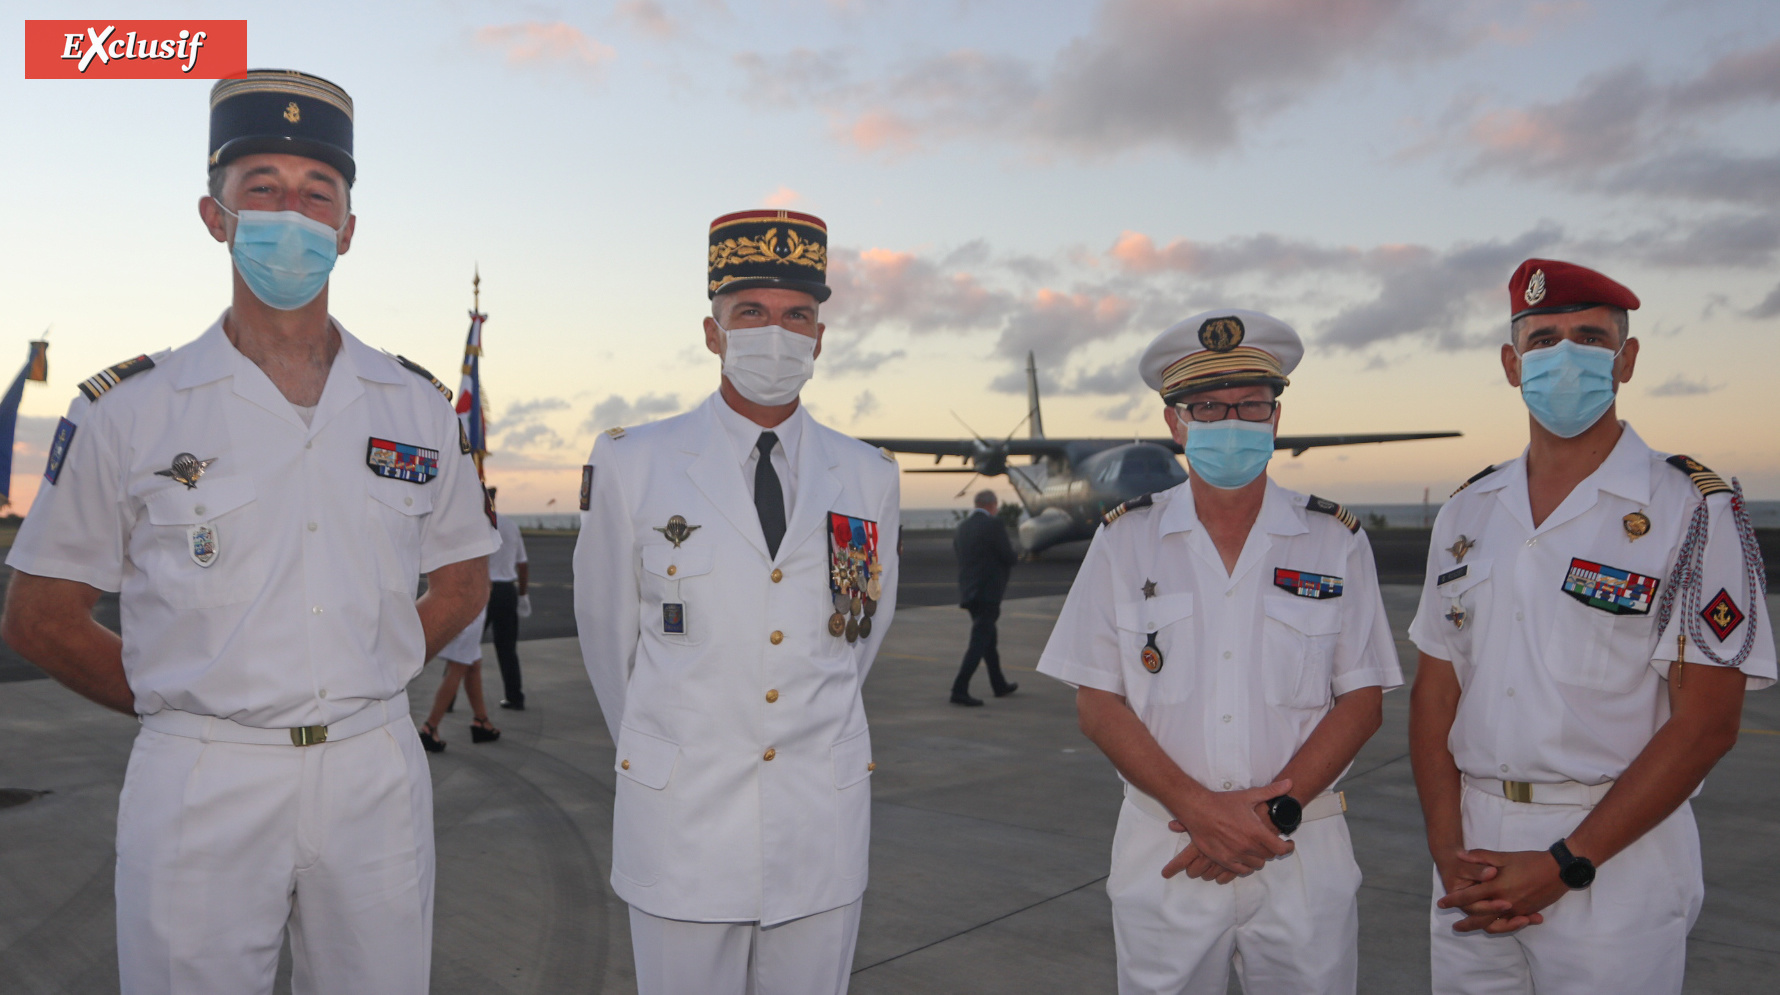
1219	410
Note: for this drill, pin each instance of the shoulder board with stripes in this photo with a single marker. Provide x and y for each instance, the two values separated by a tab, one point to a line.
1132	505
1708	482
1325	506
111	376
1474	478
421	371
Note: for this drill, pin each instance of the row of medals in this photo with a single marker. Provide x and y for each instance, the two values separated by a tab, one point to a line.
857	588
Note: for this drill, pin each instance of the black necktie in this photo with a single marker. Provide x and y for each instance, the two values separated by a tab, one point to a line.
769	495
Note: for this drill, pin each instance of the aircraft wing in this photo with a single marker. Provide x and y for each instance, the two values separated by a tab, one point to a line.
1299	443
969	448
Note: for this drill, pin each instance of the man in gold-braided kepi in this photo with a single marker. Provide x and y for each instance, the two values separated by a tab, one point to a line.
734	578
263	500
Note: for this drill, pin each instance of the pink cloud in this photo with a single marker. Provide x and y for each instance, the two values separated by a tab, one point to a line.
537	43
782	197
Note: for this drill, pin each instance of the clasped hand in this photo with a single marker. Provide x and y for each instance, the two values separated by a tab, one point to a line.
1231	834
1499	892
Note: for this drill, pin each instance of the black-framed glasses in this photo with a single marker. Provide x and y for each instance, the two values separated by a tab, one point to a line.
1220	410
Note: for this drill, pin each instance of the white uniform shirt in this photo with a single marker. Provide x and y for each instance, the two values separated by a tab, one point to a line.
306	613
1553	688
503	563
744	439
1249	668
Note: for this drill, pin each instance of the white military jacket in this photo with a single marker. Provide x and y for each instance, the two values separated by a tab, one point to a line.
1250	660
743	758
1552	629
278	589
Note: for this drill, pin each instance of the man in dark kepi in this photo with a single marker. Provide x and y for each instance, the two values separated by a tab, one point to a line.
263	500
985	559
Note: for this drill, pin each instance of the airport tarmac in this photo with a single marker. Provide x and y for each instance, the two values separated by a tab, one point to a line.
989	849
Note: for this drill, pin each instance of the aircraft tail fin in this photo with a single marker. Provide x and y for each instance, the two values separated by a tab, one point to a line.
1035	420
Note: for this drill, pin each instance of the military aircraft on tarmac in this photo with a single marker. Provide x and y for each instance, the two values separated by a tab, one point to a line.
1070	483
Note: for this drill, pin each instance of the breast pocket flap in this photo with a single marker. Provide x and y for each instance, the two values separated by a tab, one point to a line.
1469	575
1152	614
678	564
852	760
1313	618
405	498
645	759
211	499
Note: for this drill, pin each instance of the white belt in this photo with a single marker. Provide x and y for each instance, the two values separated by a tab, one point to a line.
1321	807
1539	793
212	729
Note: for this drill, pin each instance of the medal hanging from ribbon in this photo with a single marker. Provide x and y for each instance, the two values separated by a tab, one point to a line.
854	575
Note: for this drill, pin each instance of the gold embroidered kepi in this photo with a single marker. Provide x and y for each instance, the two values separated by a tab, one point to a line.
768	248
281	110
1224	348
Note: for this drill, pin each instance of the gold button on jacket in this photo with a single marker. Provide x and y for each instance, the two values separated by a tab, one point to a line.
778	575
769	754
777	637
625	765
772	695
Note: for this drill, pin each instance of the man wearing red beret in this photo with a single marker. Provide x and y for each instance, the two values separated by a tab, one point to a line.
1591	617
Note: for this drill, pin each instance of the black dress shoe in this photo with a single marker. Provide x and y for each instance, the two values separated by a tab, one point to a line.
517	706
967	700
1004	692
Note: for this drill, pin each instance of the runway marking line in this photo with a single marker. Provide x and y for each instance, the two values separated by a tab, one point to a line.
1760	732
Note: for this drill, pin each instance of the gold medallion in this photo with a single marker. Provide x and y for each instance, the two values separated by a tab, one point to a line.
871	607
874	589
837	624
1637	525
865	627
853	604
1151	656
852	630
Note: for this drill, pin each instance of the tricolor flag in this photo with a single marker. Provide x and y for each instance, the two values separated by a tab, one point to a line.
36	368
469	397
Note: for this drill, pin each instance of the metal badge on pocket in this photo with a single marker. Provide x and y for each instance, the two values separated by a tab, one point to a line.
201	543
673	618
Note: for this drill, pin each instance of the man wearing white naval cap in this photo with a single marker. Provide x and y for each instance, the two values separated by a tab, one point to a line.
1592	614
734	577
264	499
1230	651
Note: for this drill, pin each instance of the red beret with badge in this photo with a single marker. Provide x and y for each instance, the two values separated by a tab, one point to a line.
1551	286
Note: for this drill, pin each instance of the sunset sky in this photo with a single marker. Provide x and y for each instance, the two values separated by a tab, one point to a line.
997	176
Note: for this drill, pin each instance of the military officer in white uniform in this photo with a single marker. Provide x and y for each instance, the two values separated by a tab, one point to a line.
1591	617
734	577
1230	652
264	499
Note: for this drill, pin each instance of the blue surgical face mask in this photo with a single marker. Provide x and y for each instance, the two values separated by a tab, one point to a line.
1567	386
1228	454
284	256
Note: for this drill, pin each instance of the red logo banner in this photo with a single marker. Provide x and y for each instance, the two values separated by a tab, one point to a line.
135	49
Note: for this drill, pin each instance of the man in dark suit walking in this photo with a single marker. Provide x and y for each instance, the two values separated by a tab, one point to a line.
985	558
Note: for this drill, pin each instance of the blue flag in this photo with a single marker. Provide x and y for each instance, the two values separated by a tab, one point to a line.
36	368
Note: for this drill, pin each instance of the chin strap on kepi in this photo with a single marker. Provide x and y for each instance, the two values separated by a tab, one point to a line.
1689	580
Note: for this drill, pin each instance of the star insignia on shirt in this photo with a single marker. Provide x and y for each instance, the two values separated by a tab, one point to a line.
1460	548
1149	589
187	469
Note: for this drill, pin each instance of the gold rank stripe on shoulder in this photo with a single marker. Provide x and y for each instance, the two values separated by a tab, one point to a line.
1129	506
1709	483
1474	478
616	432
111	376
887	454
1327	507
421	371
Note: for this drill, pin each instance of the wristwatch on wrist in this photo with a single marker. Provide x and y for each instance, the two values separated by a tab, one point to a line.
1285	813
1576	872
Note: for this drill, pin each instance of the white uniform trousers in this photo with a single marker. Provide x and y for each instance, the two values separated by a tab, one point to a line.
1625	934
1291	928
808	956
221	845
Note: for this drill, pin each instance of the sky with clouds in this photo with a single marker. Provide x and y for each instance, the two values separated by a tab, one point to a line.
998	177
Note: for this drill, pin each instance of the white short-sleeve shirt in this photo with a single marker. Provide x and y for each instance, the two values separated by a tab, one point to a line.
1251	660
503	563
279	590
1562	673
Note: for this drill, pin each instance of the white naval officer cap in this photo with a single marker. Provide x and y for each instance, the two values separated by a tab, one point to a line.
1229	347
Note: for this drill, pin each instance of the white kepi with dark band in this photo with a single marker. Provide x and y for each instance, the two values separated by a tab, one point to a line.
734	577
1212	629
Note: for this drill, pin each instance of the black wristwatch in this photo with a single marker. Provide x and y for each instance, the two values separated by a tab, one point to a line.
1285	813
1576	872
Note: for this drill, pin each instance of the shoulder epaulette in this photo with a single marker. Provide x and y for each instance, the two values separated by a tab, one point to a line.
111	376
887	454
1132	505
1708	482
616	433
1327	507
421	371
1474	478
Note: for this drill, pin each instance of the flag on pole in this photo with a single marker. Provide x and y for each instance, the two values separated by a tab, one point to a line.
469	397
36	368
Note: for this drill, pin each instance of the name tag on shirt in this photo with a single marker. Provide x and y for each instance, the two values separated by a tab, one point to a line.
1454	574
1307	585
1612	590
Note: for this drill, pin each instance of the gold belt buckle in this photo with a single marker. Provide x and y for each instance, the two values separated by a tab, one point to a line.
1514	791
308	735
